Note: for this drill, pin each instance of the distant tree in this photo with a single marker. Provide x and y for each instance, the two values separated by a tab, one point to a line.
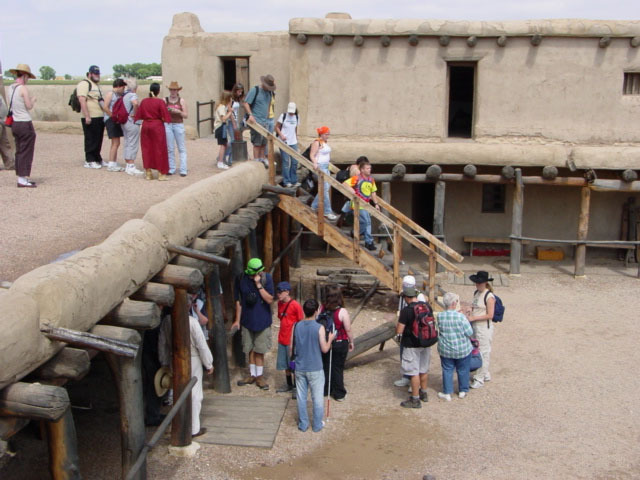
67	76
8	74
137	70
47	73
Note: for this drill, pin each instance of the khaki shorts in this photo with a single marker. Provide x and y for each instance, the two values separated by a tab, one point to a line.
259	342
415	360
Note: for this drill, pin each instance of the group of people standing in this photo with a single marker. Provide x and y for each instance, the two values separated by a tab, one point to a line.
154	124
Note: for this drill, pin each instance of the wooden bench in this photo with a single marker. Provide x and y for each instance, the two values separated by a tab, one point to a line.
495	240
627	256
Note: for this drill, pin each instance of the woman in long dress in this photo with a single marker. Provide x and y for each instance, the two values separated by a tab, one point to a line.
153	139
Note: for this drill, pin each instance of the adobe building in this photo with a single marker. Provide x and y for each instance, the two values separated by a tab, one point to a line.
561	96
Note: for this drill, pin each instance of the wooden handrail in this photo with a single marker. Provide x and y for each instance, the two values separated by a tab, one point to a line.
372	211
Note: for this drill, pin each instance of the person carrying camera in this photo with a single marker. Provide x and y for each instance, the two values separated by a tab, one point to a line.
254	294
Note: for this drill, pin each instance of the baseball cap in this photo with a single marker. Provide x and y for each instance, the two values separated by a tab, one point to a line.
94	69
291	108
409	292
408	281
283	287
254	266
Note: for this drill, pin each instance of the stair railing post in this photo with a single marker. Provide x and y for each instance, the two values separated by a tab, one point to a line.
397	256
320	204
356	229
432	279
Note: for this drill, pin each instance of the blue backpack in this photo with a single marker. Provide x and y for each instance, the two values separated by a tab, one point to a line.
498	309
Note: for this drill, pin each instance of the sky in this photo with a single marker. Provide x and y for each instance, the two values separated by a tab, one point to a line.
71	35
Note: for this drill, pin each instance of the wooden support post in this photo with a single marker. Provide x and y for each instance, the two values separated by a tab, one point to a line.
246	247
365	299
516	224
221	380
253	244
277	220
156	293
272	161
127	374
583	229
134	314
356	229
397	256
237	269
64	463
320	212
438	216
296	254
267	241
284	243
432	279
181	349
386	196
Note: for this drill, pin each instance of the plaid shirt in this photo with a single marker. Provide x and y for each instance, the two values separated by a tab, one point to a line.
454	331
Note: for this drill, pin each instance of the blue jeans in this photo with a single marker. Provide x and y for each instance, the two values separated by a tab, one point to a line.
315	381
365	226
230	138
327	202
462	367
289	166
175	134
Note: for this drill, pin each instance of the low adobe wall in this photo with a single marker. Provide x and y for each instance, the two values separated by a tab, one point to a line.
78	292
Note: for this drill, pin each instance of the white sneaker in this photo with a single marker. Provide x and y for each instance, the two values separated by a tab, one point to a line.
115	168
331	216
487	377
222	166
288	185
476	384
296	185
444	396
92	165
104	164
462	394
132	170
403	382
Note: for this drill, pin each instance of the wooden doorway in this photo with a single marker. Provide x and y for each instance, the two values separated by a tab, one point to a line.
235	70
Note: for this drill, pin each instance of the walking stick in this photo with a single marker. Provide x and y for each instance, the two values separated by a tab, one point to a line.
329	389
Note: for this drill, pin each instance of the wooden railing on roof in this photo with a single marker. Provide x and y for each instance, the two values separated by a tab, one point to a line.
396	222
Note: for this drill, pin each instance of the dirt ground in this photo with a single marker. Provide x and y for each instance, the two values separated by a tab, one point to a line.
557	405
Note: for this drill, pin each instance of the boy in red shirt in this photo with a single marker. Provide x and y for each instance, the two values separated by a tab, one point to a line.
289	312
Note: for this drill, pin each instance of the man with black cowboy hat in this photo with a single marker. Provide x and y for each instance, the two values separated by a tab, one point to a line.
480	315
254	294
91	106
260	106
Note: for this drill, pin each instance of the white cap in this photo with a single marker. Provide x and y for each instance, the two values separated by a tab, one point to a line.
409	281
291	108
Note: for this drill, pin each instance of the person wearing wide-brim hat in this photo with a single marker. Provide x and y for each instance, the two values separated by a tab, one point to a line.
175	130
20	102
254	294
480	316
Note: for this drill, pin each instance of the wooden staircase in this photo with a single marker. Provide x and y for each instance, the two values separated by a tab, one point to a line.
400	226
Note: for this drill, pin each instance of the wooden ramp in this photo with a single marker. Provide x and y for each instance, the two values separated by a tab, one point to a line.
242	421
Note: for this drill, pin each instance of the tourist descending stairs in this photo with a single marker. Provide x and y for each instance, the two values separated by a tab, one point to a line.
399	225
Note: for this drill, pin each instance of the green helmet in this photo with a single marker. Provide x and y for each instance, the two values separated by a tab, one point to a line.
254	266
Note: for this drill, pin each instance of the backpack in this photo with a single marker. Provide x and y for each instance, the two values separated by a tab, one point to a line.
498	309
342	175
307	153
423	328
74	103
325	318
119	113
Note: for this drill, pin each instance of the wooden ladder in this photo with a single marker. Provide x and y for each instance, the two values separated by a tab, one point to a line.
399	225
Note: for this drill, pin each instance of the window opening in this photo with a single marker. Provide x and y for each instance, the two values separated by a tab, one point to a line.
493	198
631	84
461	93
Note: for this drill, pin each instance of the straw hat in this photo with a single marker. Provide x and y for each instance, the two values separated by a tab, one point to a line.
162	381
22	68
174	86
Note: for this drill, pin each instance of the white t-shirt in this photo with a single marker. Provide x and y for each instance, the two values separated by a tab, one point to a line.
403	303
289	123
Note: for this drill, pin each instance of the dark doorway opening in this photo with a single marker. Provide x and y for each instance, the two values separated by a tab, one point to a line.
235	70
422	204
229	73
461	89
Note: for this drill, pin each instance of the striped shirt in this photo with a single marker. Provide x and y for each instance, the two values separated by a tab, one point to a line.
454	331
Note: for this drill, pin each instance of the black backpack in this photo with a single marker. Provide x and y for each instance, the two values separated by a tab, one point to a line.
325	318
423	328
74	103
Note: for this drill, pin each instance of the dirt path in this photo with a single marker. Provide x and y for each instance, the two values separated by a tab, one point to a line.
563	401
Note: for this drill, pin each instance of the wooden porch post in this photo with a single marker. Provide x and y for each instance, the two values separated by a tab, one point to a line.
181	343
267	241
583	229
237	268
438	216
64	463
213	286
516	224
285	225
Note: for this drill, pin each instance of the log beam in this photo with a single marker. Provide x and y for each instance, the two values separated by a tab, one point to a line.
372	338
134	314
186	278
34	401
198	255
156	293
90	340
69	363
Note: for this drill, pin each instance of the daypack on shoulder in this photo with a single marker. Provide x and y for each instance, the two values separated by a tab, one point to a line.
342	175
307	153
74	103
119	113
423	328
498	309
325	318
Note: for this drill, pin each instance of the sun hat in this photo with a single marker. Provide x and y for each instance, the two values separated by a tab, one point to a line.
322	130
94	69
254	266
268	83
291	108
480	277
22	68
174	86
408	281
409	292
283	287
162	381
